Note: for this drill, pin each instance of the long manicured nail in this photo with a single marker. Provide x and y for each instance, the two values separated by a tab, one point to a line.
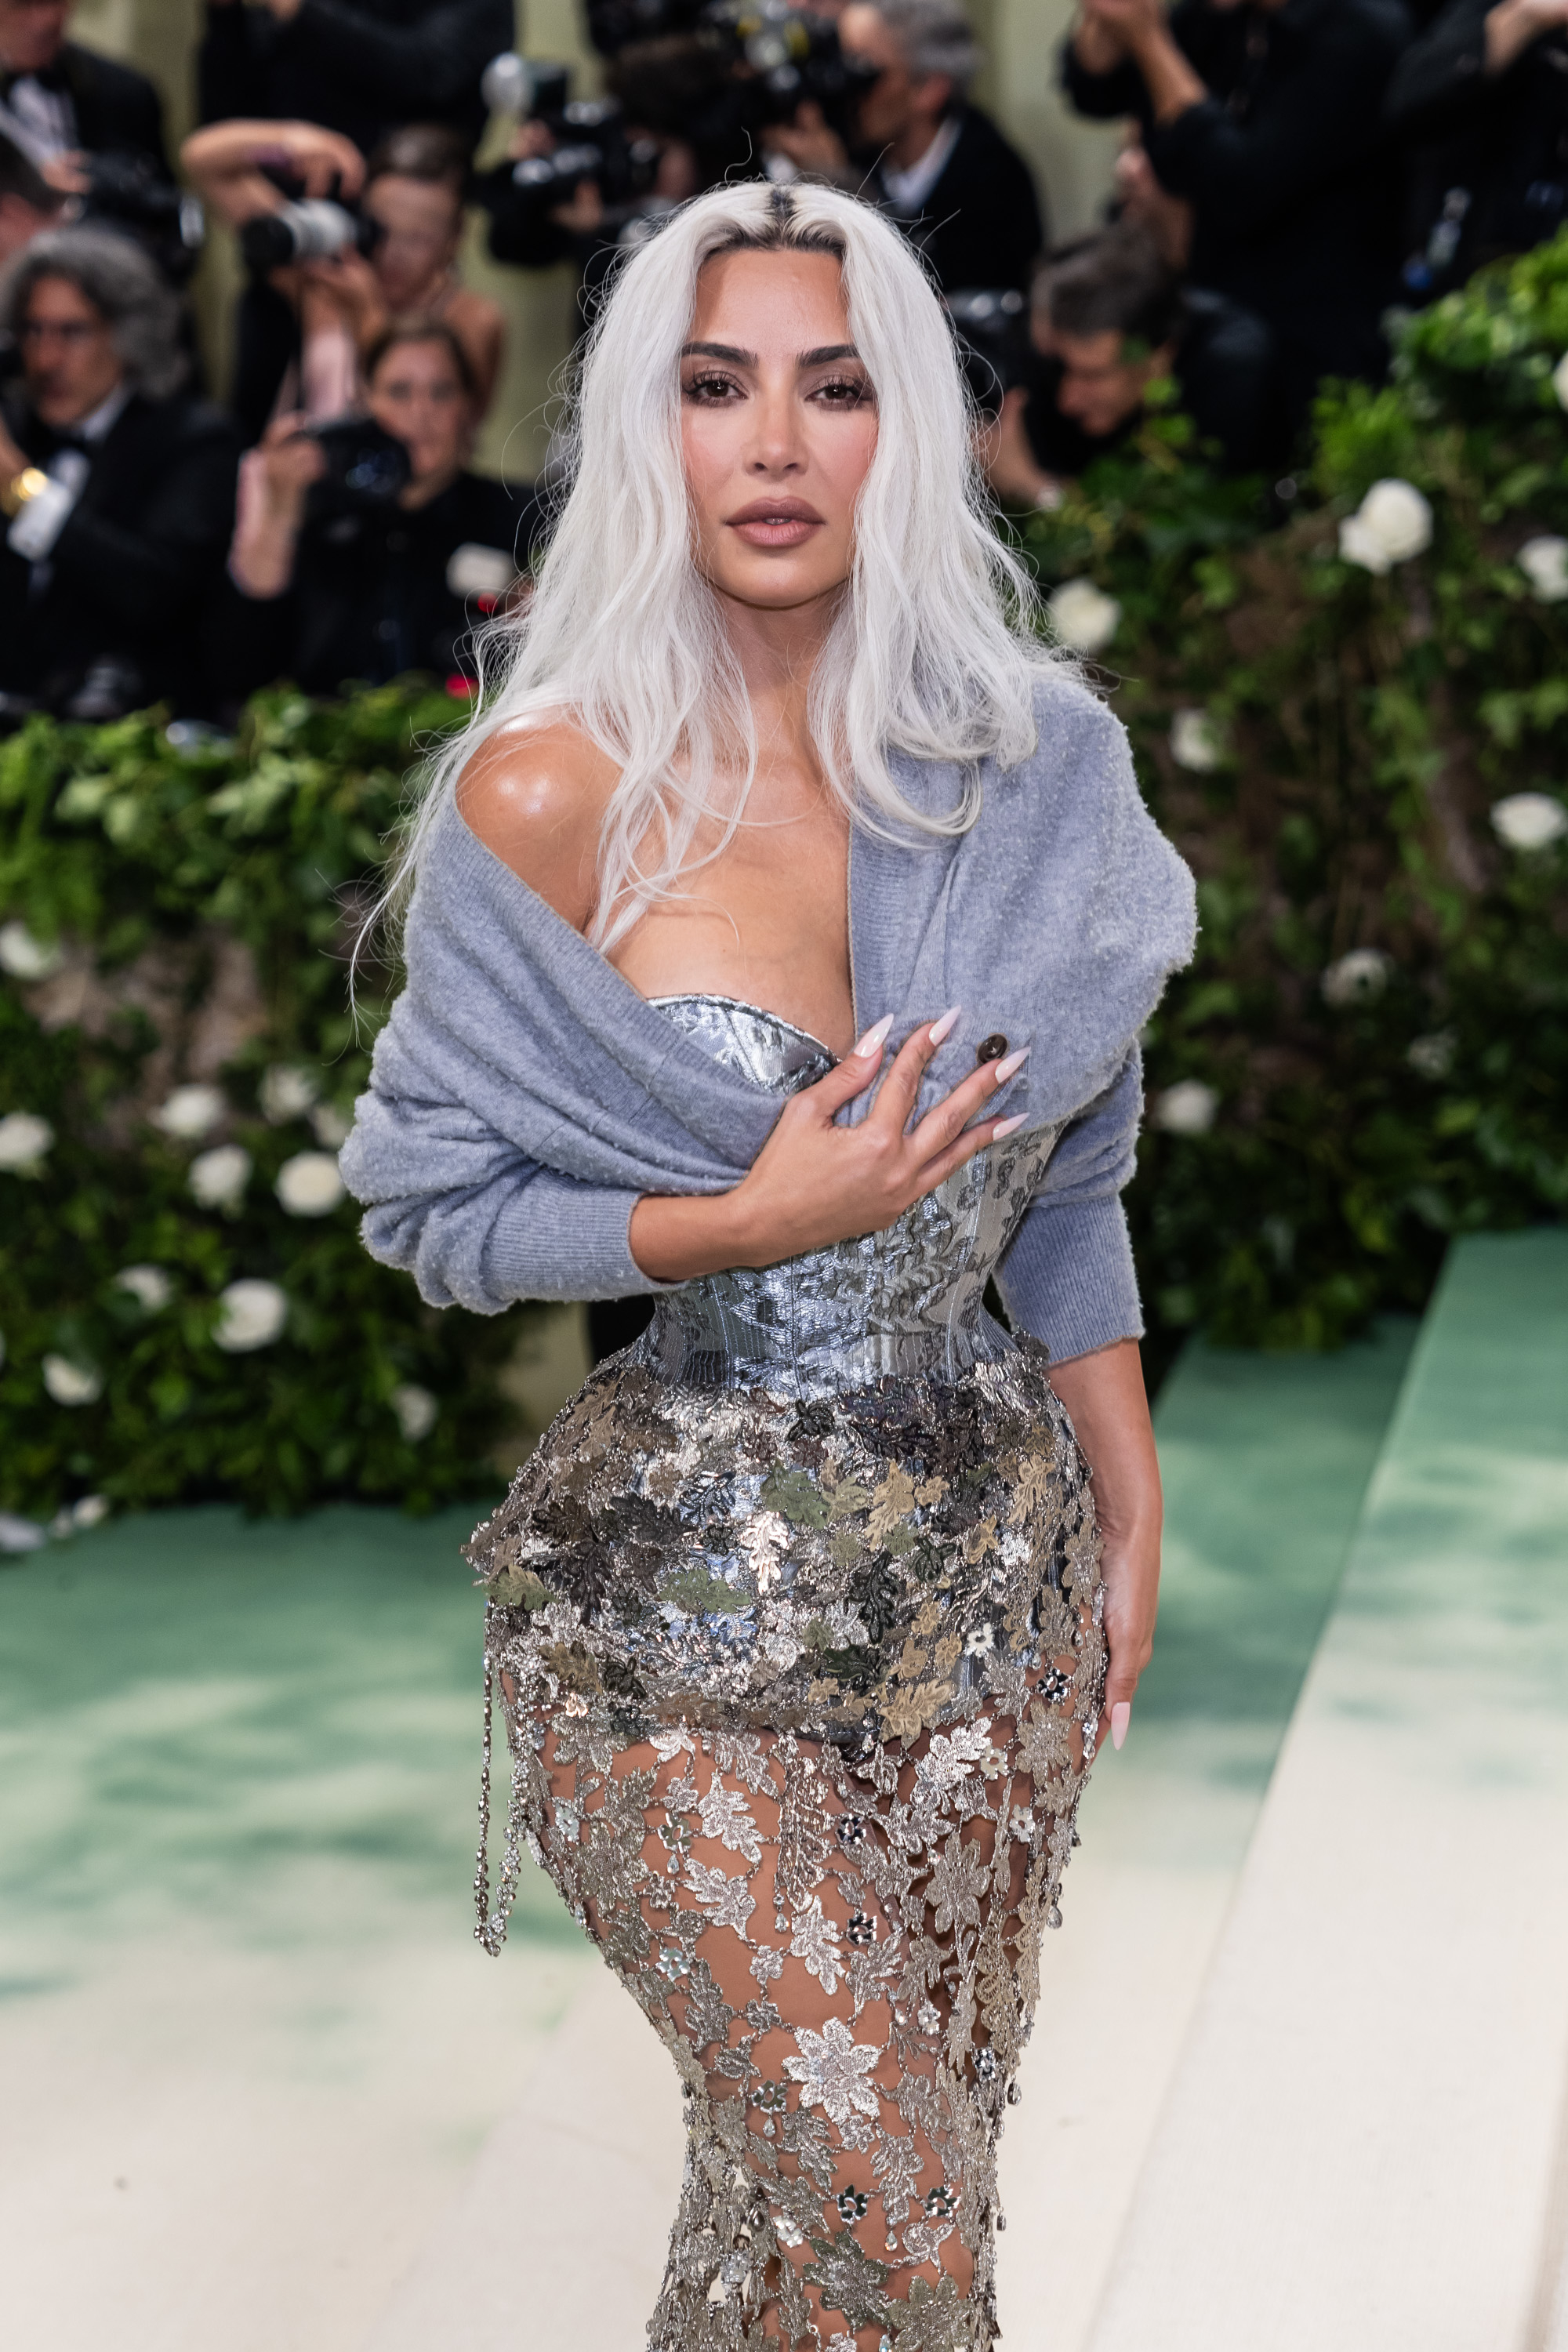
875	1039
1008	1125
1010	1067
1121	1716
940	1031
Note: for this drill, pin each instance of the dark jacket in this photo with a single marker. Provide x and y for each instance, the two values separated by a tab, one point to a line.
117	109
1225	372
130	578
1292	174
1495	149
369	599
981	224
363	70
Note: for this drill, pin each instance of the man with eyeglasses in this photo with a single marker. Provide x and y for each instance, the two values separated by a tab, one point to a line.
116	492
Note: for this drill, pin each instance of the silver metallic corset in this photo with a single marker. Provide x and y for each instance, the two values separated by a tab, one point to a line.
905	1301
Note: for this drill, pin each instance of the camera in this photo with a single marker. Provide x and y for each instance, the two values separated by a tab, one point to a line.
124	192
591	141
783	57
365	465
991	328
308	228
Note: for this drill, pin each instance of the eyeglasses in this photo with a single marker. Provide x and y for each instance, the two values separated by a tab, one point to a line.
63	331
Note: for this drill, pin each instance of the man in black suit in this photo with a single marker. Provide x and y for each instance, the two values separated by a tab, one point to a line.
59	100
116	493
938	167
361	67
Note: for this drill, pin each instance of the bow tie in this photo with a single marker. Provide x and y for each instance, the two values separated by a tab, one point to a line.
48	77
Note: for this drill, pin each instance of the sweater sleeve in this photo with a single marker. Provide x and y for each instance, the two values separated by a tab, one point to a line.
477	1223
1067	1276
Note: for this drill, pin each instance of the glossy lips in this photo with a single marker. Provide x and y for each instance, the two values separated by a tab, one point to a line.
775	522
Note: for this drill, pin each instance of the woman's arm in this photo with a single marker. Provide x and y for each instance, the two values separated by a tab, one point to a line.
224	164
275	481
1104	1393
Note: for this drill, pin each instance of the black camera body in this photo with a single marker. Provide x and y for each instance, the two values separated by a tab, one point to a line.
124	192
591	141
784	57
991	328
366	466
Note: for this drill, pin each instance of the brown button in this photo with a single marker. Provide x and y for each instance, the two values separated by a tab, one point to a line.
991	1048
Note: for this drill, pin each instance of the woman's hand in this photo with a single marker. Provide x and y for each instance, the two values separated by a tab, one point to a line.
275	479
813	1182
1105	1395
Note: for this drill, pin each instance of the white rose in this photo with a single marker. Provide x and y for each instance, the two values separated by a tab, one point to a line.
1186	1108
476	571
254	1314
1525	820
1559	381
1392	523
1195	741
71	1383
90	1512
190	1111
329	1126
18	1535
1545	563
286	1092
415	1409
308	1185
23	956
1082	615
1432	1058
148	1284
24	1140
1357	978
218	1178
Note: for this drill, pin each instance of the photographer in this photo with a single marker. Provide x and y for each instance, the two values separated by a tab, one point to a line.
940	167
1268	119
119	493
1109	318
345	567
397	228
362	70
1484	92
29	204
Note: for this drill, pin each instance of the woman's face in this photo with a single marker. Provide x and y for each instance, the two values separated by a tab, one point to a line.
417	396
778	427
420	220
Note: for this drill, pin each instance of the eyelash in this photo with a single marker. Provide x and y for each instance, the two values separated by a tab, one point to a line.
710	391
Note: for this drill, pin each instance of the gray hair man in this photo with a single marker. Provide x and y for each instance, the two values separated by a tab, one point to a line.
116	493
935	160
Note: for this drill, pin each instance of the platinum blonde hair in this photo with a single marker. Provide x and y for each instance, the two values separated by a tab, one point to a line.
934	651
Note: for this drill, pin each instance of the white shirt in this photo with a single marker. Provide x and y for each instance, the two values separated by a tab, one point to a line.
907	190
40	522
41	123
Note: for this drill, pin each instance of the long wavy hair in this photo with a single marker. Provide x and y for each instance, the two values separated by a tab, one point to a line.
934	650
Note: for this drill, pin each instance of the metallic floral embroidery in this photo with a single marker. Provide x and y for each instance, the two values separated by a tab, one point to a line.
800	1669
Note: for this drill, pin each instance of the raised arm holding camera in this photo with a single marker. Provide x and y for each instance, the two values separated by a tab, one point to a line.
363	548
118	491
1267	117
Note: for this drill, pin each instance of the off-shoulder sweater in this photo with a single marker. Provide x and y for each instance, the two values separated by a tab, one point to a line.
523	1096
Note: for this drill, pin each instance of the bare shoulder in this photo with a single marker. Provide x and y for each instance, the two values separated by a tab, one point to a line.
536	798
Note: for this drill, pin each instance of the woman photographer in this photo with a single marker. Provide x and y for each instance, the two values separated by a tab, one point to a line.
335	571
315	319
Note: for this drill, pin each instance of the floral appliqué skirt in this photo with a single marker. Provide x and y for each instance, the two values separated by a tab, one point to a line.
800	1698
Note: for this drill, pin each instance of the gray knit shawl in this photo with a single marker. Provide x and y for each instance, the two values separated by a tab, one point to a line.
1055	921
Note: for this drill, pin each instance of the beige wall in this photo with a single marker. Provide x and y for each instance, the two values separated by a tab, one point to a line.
1071	160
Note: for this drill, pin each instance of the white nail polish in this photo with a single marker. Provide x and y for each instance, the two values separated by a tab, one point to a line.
1121	1716
940	1031
875	1039
1008	1127
1010	1067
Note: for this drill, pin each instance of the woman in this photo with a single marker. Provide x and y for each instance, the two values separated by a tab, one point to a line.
329	585
799	1610
301	328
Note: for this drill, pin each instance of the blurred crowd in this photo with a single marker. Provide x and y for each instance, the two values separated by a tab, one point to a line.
1289	172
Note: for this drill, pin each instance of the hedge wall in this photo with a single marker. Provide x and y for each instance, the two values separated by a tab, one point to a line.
1353	720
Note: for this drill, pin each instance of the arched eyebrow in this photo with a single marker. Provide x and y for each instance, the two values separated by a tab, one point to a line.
822	357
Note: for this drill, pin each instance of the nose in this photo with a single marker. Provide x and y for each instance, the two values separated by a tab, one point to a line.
777	448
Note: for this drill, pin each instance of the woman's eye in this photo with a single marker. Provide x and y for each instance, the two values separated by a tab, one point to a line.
709	389
844	392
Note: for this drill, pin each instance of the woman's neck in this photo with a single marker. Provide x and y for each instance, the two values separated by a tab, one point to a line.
778	652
